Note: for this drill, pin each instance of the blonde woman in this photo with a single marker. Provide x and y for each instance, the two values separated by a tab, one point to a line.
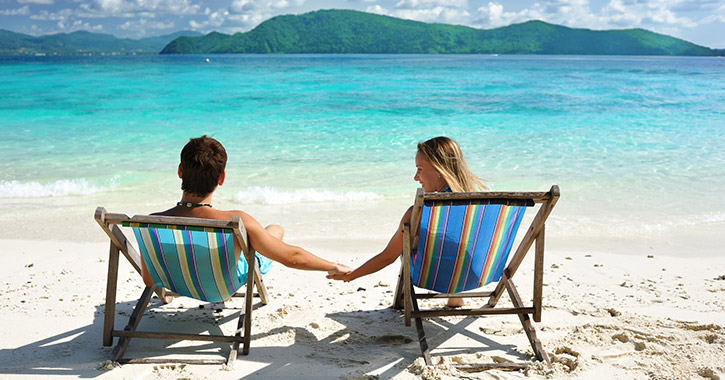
440	167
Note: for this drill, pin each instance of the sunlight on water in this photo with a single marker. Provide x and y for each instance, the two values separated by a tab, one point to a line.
637	144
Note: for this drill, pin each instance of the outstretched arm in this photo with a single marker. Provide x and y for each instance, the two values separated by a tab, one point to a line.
391	253
291	256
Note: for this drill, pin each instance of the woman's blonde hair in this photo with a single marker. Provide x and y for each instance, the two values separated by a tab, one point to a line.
446	157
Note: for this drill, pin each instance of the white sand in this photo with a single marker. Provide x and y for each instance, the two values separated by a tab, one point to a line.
607	315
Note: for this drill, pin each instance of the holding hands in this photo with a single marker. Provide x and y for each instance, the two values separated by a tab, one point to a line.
339	273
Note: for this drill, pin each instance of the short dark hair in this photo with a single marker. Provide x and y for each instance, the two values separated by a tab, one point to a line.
203	160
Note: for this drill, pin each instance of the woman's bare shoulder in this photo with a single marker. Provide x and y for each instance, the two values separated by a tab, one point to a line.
407	215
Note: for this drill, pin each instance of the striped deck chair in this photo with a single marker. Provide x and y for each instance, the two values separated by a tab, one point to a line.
185	257
464	242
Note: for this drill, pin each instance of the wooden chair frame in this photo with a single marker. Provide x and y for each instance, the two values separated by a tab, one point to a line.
119	243
406	296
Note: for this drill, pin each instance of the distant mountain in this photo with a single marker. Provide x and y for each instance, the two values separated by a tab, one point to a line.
82	42
347	31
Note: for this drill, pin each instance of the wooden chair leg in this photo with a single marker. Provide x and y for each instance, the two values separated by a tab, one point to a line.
235	346
109	314
133	322
398	297
261	289
526	323
408	303
424	350
408	292
247	321
538	274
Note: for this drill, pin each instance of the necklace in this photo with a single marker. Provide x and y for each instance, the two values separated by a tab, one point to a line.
192	205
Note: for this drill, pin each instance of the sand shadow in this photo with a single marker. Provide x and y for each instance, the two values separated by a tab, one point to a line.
80	351
396	343
367	341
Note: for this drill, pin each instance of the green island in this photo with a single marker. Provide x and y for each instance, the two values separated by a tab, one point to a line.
354	32
82	43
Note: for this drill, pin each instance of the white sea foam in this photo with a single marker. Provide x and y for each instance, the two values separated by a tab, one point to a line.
62	187
270	196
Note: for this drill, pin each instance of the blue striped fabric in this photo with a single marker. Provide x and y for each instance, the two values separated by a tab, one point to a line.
197	264
463	246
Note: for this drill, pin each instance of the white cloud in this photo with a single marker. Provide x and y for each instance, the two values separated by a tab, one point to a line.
218	18
263	6
60	15
442	11
695	5
24	11
240	6
246	19
568	12
377	9
658	15
42	2
492	15
138	8
415	4
144	24
665	16
279	4
435	14
617	14
246	14
196	25
716	16
78	25
214	20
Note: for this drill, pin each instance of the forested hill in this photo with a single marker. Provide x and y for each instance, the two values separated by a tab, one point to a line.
82	42
347	31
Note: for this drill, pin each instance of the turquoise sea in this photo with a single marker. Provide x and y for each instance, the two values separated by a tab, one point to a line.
325	143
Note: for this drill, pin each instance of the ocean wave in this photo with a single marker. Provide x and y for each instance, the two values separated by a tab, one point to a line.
62	187
270	196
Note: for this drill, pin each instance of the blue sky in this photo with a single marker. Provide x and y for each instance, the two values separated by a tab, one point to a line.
698	21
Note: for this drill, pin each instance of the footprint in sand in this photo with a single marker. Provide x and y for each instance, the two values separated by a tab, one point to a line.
566	356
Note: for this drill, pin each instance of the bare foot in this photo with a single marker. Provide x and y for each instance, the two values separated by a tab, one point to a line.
455	302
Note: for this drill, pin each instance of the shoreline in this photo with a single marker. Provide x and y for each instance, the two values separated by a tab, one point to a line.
606	315
345	225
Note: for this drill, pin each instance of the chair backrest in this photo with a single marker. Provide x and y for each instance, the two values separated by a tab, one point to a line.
464	244
193	261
